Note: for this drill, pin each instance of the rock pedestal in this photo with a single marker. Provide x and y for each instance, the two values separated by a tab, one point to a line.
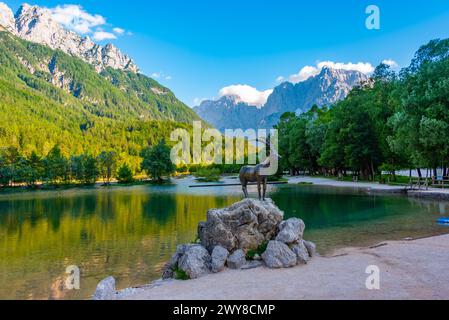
249	228
244	225
229	234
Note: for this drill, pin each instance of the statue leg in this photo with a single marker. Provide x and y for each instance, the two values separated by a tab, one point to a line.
264	188
245	189
259	188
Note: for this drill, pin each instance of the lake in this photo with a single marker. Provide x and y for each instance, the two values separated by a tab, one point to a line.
130	232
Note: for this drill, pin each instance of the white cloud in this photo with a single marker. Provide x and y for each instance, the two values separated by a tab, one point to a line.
280	79
161	75
363	67
198	101
247	94
119	31
310	71
75	18
393	64
103	35
304	74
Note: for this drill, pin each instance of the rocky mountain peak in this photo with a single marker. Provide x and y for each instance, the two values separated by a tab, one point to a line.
345	76
36	24
7	18
326	88
29	9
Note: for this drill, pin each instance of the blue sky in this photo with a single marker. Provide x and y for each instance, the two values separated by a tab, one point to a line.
198	47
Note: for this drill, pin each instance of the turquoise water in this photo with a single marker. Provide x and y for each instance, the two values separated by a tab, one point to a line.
131	232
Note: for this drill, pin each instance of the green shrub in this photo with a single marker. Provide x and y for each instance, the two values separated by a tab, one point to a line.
181	274
260	249
208	174
125	174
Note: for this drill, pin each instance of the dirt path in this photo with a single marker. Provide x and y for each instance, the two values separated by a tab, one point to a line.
408	270
346	184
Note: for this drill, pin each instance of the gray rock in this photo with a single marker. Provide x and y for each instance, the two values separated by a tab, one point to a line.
311	248
169	268
291	231
237	260
219	257
195	261
257	257
106	290
244	225
301	253
278	255
252	265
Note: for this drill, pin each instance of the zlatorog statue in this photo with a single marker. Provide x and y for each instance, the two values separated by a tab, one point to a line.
251	174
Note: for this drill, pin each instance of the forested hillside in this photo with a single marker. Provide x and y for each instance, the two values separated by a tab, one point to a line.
49	98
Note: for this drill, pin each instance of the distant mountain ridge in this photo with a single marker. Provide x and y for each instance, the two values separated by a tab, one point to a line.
326	88
36	24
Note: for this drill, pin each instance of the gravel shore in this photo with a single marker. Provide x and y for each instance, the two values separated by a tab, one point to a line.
417	269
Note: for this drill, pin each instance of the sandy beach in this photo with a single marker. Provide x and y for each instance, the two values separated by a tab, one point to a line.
412	269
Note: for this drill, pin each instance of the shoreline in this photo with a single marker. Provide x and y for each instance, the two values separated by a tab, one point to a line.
409	269
373	187
369	187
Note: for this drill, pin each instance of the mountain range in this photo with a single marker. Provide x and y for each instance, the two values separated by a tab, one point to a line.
57	87
94	97
36	24
326	88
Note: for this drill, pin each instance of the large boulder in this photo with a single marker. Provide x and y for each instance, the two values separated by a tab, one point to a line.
311	248
106	290
244	225
237	260
168	271
301	252
195	261
278	255
219	257
291	231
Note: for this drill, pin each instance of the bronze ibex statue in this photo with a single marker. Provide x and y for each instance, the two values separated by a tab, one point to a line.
256	173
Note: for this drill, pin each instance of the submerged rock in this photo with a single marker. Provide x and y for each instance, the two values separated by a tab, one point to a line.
244	225
291	231
195	261
237	260
219	257
278	255
106	290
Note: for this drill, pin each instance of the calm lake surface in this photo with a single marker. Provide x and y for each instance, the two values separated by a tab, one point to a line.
131	232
